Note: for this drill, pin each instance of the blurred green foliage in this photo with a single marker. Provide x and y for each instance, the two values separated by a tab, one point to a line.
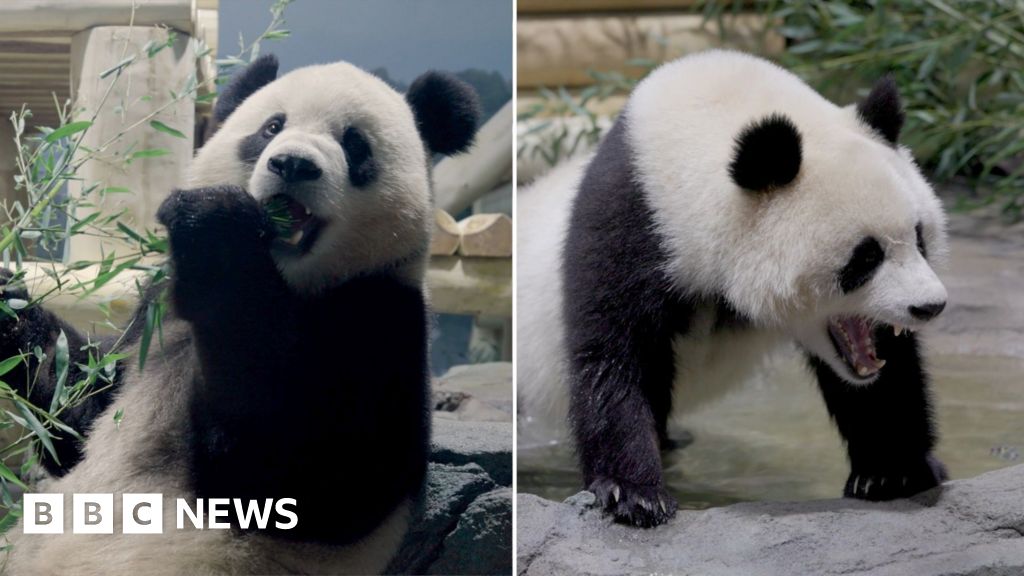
959	66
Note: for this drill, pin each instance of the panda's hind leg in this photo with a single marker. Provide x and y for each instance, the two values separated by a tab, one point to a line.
887	425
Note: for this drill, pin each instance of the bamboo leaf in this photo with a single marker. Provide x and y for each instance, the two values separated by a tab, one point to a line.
67	130
160	126
33	424
61	362
149	153
147	334
11	363
9	474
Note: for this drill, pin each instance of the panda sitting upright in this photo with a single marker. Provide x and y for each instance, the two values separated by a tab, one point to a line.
730	209
293	364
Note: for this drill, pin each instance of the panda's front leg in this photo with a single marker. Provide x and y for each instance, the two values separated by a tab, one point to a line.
620	399
887	425
220	251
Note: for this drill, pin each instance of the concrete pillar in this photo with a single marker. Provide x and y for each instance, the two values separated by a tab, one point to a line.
144	87
8	167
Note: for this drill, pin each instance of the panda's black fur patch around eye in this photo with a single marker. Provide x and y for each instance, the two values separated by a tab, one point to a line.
882	110
921	247
252	146
767	154
866	258
362	168
259	73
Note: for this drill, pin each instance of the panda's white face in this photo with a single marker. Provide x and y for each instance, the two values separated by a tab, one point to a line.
825	230
343	155
869	260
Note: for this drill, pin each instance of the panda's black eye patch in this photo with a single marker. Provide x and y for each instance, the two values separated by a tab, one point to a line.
920	241
252	146
362	168
866	258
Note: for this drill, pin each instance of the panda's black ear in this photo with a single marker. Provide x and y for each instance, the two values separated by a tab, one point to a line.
256	75
882	110
447	111
767	154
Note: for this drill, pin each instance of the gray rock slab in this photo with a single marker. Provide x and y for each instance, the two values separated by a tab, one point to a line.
968	527
488	444
482	541
450	491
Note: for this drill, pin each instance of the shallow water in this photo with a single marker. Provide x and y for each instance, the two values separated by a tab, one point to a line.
773	440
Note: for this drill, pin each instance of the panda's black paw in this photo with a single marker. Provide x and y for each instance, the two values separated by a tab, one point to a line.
10	288
898	482
208	218
635	504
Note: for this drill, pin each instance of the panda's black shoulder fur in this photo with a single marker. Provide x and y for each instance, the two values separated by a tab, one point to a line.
322	398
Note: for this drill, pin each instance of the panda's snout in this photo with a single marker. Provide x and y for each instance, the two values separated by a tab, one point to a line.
291	168
926	312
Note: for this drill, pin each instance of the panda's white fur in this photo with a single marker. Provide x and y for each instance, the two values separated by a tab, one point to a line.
774	259
380	227
398	200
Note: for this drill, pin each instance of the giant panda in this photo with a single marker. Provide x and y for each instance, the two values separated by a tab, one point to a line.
729	211
292	363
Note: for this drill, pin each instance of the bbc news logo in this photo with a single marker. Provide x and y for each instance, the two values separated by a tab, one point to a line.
144	513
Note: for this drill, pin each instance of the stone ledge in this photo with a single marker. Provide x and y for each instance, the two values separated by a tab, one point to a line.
968	527
464	523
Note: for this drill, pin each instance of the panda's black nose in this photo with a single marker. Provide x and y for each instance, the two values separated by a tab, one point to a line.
293	168
927	311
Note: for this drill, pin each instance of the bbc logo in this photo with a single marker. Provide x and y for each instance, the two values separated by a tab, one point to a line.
93	514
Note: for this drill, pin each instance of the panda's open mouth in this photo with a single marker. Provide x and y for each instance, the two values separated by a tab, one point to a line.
854	339
297	227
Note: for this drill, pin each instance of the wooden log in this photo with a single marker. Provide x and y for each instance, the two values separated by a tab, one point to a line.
563	51
52	16
445	240
472	286
572	6
460	180
487	235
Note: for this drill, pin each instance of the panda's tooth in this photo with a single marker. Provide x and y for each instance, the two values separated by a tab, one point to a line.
308	211
862	370
296	237
881	364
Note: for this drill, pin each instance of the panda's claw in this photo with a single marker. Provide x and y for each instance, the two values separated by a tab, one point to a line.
901	482
633	504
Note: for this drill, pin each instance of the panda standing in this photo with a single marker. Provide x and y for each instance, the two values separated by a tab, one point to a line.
730	210
293	363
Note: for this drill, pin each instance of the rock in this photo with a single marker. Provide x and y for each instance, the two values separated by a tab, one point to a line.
482	541
488	444
968	527
450	491
464	523
478	392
